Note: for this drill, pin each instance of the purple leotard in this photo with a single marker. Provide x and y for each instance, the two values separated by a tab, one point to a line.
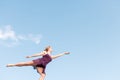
42	62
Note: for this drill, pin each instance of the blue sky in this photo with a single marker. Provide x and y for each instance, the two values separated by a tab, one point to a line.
89	29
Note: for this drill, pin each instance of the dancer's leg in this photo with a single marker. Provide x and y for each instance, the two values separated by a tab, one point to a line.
42	75
30	63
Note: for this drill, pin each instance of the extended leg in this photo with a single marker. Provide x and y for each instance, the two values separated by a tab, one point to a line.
30	63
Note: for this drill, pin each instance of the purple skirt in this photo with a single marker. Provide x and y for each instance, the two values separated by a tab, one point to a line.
42	62
39	63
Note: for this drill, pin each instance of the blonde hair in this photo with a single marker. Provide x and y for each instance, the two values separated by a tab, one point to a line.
47	48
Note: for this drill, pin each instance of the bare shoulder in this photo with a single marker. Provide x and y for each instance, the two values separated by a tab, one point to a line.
44	52
52	56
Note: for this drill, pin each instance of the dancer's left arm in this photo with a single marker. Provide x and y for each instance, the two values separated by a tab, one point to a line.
59	55
37	54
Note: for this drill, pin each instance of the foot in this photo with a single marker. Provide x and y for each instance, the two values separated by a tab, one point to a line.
10	65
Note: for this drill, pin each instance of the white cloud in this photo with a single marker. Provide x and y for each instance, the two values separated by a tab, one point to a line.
34	38
8	33
8	37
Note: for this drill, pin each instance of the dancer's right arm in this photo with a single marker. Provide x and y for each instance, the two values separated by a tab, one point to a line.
37	54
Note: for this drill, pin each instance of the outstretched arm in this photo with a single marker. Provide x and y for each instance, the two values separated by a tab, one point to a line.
59	55
36	55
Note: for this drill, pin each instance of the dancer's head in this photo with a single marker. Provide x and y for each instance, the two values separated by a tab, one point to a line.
48	49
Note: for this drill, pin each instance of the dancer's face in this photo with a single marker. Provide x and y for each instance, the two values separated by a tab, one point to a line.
50	49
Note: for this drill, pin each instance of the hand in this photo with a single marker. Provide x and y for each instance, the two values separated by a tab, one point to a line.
28	56
66	53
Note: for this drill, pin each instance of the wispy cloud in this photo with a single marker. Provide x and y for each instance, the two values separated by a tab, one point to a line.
9	37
